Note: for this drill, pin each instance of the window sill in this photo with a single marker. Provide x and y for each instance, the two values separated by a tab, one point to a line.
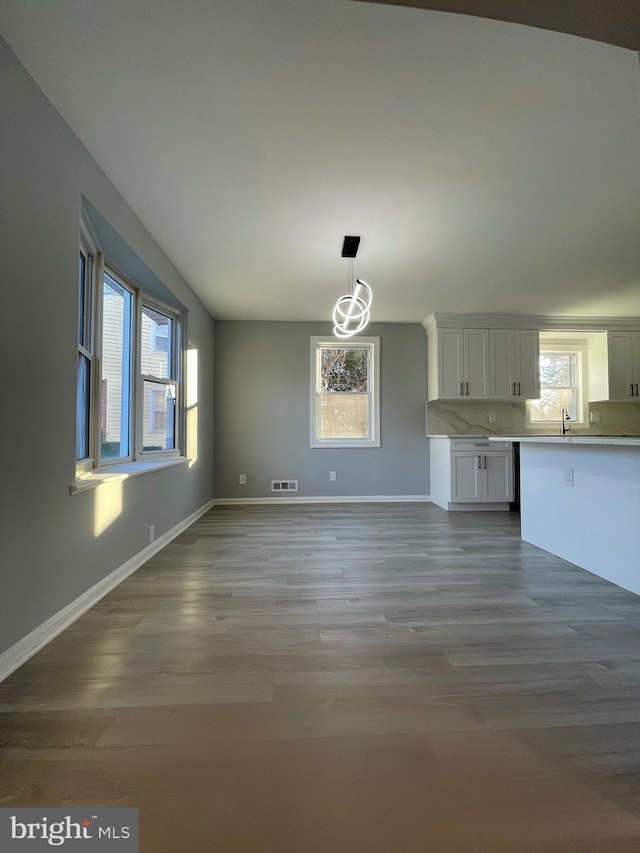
117	473
337	443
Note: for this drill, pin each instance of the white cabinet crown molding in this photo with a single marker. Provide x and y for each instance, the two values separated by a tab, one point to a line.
529	321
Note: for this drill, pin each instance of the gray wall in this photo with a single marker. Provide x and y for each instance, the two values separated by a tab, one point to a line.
49	551
262	394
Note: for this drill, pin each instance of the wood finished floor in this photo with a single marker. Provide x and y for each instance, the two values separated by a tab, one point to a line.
386	678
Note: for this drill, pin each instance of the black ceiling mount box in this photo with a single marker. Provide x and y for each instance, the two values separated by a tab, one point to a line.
350	247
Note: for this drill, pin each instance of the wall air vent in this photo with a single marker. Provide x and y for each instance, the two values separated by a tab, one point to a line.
284	485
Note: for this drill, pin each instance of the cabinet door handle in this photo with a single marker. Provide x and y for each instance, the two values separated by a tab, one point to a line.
461	389
636	389
513	389
480	462
518	389
467	384
485	463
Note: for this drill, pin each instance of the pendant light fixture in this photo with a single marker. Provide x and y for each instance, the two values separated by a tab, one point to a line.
351	313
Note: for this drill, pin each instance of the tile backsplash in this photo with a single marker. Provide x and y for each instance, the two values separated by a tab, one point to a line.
470	417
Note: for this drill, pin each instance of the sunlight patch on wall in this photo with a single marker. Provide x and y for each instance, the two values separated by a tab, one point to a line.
108	505
192	406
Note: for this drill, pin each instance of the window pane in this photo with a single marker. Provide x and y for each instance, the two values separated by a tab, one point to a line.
159	416
344	416
557	370
344	369
156	344
82	407
552	401
82	297
116	369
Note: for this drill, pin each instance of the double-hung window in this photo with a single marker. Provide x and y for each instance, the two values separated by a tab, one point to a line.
116	359
345	397
159	345
86	362
129	359
562	385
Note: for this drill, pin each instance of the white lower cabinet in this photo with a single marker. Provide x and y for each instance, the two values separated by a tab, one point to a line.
466	477
471	474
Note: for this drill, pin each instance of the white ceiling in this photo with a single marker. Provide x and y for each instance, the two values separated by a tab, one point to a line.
488	166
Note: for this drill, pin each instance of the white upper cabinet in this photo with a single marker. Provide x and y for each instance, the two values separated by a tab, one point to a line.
497	357
514	356
614	367
459	364
483	364
446	355
624	365
476	348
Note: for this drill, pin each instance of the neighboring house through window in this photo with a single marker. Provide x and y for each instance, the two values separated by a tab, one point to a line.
160	335
116	360
131	410
159	374
158	421
345	397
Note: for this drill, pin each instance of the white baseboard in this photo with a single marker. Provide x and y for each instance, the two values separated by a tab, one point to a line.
324	499
33	642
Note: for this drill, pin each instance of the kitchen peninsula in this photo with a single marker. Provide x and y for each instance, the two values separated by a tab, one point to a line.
580	500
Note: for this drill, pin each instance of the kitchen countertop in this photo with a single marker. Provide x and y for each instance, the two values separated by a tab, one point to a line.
613	440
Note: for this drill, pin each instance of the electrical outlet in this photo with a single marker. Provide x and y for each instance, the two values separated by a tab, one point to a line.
152	533
242	479
594	417
332	476
492	419
568	476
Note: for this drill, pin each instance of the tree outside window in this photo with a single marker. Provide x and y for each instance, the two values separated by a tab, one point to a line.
345	400
562	379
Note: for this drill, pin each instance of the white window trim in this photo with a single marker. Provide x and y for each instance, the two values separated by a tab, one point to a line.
582	403
174	379
94	470
373	345
87	246
90	480
107	462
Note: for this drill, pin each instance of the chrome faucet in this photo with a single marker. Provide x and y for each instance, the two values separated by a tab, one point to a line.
564	429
